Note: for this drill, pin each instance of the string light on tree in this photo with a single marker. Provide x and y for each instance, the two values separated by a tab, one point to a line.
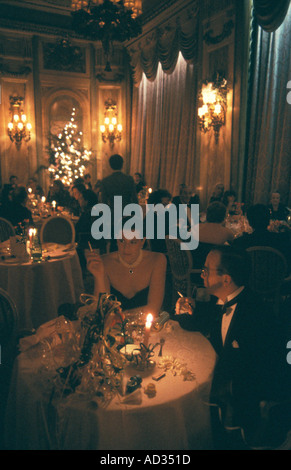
68	158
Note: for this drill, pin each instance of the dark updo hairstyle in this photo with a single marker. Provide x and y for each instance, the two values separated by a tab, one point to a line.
258	216
215	212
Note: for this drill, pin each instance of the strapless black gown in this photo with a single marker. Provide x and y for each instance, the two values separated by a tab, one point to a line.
138	300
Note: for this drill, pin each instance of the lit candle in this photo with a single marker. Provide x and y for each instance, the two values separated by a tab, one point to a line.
31	233
54	205
148	326
43	199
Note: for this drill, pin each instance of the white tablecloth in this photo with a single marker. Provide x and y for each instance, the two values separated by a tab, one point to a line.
177	418
38	289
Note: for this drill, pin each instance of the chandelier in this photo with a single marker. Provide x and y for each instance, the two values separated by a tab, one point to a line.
18	128
212	112
107	21
111	130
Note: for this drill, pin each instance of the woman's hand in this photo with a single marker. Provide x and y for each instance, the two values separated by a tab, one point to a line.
185	305
95	264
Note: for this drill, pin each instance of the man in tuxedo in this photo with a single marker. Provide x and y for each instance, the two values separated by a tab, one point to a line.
240	329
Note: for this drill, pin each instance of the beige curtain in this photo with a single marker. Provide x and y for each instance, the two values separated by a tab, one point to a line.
269	123
163	128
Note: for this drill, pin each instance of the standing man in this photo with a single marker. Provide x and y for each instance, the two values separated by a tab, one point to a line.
242	333
117	184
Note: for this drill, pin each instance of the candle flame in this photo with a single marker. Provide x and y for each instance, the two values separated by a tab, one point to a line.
149	320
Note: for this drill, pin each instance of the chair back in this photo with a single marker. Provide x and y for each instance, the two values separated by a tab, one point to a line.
8	327
6	230
57	229
181	266
268	271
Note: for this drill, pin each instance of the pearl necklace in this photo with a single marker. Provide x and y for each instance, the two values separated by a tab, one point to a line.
133	265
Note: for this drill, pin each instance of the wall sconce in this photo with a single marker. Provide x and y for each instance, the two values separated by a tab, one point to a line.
212	113
110	130
18	128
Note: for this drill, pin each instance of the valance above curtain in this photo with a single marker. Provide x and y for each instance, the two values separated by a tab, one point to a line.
270	14
163	44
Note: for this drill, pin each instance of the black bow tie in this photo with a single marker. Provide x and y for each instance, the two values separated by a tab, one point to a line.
228	304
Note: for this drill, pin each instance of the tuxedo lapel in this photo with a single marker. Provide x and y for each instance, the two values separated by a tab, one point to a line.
216	332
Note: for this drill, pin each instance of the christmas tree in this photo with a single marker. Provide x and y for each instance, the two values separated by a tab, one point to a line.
68	158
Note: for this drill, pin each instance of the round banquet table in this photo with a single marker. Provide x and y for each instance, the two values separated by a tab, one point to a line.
176	418
38	289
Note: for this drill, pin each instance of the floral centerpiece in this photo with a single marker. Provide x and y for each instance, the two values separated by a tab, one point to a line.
99	369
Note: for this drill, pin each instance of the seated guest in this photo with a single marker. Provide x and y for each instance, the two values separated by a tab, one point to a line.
186	196
77	199
240	330
87	181
258	217
13	181
217	194
139	182
277	210
7	195
16	211
87	201
78	189
35	187
160	196
213	231
84	224
229	199
59	194
135	276
8	190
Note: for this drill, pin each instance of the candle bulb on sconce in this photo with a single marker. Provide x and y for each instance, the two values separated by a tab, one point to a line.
18	128
213	110
111	130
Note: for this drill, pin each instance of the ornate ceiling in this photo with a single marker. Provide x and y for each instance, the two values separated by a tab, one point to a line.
46	14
